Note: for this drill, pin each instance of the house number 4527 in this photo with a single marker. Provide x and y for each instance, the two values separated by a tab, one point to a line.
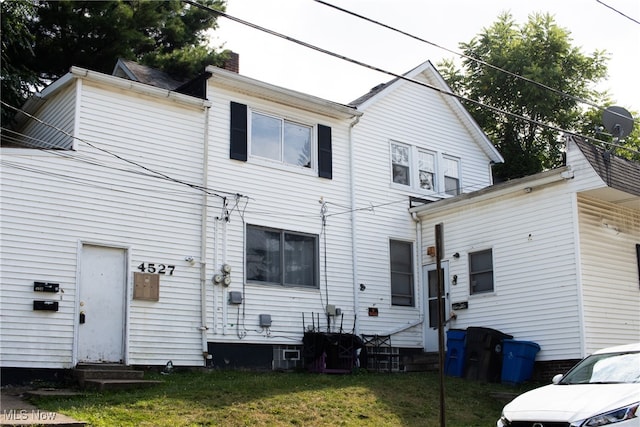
149	267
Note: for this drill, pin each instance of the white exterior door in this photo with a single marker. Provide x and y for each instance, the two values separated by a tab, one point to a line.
101	328
430	286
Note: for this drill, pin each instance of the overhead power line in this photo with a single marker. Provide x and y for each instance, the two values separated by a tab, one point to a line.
396	75
470	58
617	11
155	173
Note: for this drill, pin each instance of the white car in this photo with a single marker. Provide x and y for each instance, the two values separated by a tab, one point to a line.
601	390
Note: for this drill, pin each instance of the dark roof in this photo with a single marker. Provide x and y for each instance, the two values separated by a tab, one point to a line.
147	75
373	92
618	173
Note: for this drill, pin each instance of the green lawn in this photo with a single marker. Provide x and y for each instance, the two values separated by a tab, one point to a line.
230	398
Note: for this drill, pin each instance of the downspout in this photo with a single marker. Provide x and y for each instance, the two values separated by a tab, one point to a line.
203	240
354	252
418	259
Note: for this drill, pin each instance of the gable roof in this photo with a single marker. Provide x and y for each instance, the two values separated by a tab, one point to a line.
427	68
618	173
141	73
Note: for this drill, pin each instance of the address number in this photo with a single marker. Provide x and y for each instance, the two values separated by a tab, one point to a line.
149	267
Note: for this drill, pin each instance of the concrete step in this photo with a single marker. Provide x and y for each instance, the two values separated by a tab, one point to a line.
423	362
118	384
110	377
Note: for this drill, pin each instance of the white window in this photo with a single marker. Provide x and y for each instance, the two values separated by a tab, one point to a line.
481	271
427	170
451	169
401	265
281	140
401	163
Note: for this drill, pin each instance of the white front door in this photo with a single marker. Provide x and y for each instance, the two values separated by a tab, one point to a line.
101	320
430	286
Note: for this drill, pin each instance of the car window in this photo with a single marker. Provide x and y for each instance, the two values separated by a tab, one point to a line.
606	368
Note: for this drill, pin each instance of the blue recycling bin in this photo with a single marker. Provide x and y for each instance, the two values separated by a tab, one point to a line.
454	362
518	360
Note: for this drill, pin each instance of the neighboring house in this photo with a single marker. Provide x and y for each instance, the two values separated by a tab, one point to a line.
551	258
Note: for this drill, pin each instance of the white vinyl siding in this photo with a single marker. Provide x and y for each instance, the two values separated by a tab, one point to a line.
52	202
281	198
421	118
535	295
62	114
609	234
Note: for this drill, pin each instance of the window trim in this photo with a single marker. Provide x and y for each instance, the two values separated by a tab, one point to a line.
282	283
446	157
473	273
414	170
313	145
411	274
239	144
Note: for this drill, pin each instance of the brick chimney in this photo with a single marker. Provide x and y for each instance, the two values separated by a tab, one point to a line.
232	63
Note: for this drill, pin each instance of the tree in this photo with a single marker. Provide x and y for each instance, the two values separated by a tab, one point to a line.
16	78
167	35
540	51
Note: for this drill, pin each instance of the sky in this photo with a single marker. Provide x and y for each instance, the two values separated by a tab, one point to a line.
592	26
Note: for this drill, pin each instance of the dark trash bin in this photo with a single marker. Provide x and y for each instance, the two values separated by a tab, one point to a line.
454	363
483	358
518	360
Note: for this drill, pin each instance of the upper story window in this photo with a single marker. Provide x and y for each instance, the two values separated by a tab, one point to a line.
451	170
274	138
427	170
280	140
424	170
401	163
481	271
281	257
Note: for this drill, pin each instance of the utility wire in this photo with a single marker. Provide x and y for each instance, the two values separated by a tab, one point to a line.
462	55
396	75
617	11
117	156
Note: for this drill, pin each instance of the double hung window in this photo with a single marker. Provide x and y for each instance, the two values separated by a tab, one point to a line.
481	271
281	257
401	257
423	170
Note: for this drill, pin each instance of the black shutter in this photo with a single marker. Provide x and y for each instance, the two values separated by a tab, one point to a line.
325	162
238	142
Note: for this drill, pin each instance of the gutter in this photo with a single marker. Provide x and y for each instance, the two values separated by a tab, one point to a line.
526	184
130	85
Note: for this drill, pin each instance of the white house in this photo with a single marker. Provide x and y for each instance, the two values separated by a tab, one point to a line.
551	258
129	213
216	221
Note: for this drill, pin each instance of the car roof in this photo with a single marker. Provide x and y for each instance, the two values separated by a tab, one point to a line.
620	348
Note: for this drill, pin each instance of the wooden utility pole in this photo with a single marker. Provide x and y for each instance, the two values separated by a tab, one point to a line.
440	275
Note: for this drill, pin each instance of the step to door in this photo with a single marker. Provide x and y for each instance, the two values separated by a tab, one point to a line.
110	377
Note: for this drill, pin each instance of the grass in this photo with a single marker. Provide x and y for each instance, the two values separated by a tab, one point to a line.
232	398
